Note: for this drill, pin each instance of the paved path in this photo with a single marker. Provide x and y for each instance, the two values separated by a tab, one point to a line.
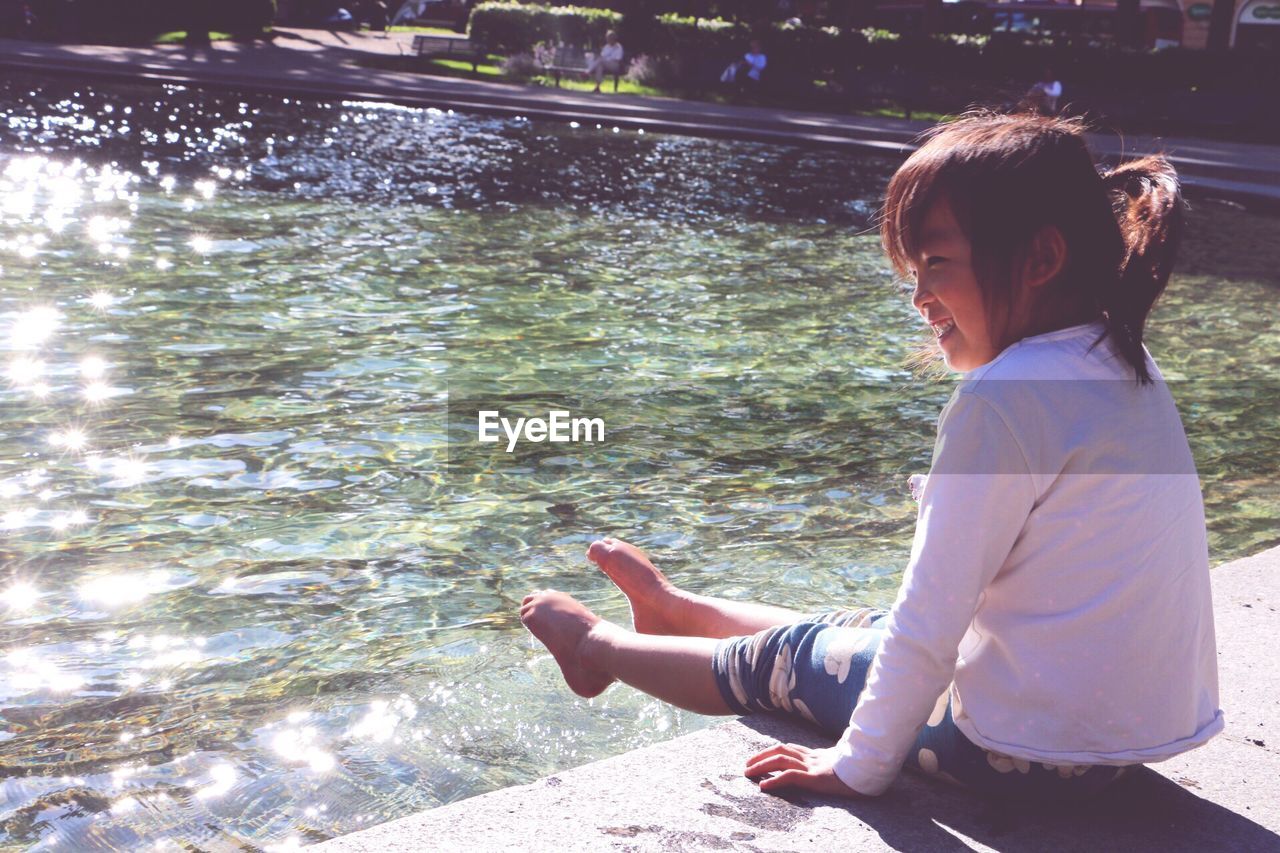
323	64
689	794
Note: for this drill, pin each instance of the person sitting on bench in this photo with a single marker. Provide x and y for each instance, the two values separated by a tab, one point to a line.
608	62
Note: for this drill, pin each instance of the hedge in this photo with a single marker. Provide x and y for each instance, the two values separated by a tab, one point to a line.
802	52
515	27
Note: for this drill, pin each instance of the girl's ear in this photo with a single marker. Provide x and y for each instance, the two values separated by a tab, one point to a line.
1045	258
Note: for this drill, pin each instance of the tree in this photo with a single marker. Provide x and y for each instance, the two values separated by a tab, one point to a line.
931	22
1220	24
1129	23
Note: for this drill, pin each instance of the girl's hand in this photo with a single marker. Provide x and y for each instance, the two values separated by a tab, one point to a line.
799	767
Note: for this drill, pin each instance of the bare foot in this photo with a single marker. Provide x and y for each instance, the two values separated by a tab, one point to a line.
562	624
654	599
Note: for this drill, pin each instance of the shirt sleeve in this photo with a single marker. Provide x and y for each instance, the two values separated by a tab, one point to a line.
977	497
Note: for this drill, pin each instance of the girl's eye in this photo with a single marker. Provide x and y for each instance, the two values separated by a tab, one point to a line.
934	260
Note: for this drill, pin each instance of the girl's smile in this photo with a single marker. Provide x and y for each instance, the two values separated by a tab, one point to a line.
947	293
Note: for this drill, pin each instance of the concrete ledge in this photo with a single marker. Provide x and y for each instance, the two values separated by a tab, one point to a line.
689	794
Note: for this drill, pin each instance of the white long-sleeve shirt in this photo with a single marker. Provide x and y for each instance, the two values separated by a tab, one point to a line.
1058	584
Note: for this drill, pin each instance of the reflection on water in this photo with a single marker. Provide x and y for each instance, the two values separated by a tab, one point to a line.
247	597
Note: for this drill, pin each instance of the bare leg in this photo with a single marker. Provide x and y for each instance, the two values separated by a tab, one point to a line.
674	669
592	653
659	607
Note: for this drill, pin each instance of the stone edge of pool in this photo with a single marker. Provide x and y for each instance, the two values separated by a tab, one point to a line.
689	794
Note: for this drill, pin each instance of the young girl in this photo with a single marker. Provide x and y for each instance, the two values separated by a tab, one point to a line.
1054	624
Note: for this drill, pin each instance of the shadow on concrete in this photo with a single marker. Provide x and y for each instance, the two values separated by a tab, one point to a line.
1143	811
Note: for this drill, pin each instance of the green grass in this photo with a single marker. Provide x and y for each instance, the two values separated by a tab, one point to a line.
897	112
625	86
493	70
462	68
438	31
180	36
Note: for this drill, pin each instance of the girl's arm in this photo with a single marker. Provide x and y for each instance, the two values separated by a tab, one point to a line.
978	496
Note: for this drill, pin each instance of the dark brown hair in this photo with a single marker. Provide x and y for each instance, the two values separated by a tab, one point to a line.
1007	177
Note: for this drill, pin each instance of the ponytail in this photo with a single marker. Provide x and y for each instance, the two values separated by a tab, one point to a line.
1148	208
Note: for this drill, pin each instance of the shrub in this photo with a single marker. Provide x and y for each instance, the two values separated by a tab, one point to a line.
513	27
657	71
521	67
677	36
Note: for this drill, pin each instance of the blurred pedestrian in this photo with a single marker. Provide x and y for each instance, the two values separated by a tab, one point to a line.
1043	97
609	61
749	70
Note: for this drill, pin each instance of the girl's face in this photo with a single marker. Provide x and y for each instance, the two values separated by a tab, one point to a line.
947	293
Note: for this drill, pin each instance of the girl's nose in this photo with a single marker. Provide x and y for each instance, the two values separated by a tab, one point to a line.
920	295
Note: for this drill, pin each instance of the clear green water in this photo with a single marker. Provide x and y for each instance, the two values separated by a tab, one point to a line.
251	596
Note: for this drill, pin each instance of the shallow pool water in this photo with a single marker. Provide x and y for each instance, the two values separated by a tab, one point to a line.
258	591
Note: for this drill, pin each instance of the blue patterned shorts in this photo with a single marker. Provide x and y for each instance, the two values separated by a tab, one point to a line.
816	669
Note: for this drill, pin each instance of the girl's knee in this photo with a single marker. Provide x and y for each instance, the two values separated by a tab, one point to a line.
811	670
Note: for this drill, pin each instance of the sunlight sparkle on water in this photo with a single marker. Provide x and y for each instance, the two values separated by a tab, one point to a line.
224	776
33	327
124	806
101	300
15	518
20	595
201	244
92	367
29	672
96	392
102	229
128	471
114	590
299	746
25	371
72	438
379	724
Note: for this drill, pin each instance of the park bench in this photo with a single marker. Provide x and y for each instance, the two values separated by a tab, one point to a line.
453	46
572	61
